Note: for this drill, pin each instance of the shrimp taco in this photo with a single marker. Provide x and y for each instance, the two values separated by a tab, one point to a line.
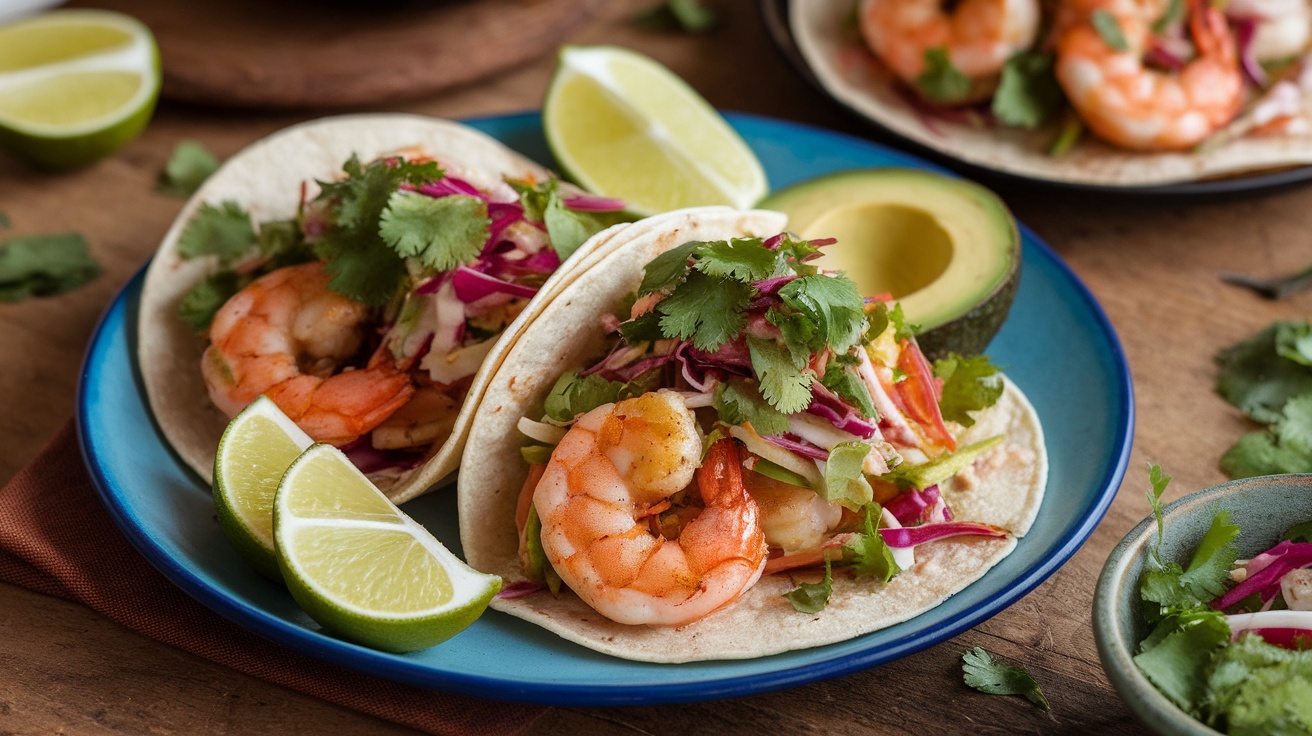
364	272
1086	92
703	432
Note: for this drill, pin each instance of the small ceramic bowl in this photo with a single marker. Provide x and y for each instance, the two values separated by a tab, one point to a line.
1262	507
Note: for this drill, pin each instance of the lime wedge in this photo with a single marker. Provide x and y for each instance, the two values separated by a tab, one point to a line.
362	568
75	85
258	446
622	125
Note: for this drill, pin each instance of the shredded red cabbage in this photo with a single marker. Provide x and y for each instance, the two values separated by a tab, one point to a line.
447	186
519	589
593	203
910	536
1282	637
1245	32
912	507
793	443
368	459
1285	557
471	285
830	407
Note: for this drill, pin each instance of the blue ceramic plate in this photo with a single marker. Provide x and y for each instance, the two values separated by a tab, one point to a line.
1057	345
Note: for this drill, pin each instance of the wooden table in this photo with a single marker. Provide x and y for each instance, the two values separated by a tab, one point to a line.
1152	264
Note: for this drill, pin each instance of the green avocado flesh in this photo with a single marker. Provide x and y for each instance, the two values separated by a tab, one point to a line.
945	248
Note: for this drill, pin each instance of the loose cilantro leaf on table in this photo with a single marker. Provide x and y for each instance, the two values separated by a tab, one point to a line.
969	384
189	166
987	674
941	81
1028	93
691	16
4	220
813	597
44	265
1257	378
738	401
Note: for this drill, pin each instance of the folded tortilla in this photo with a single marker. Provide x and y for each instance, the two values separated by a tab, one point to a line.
1004	488
266	180
847	69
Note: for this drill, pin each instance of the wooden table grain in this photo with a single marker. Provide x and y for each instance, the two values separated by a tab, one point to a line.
1152	264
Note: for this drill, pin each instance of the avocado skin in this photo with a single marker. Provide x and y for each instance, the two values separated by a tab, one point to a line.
948	200
972	332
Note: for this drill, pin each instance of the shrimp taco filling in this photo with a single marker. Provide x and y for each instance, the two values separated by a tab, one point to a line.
366	315
753	417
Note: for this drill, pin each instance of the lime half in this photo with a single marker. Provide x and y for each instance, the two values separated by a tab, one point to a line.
362	568
622	125
75	85
258	446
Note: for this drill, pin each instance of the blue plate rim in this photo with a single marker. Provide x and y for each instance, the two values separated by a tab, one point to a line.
372	662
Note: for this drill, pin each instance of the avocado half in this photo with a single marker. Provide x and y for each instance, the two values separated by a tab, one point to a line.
947	249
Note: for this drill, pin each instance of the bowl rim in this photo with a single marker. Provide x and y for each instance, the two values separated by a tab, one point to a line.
1111	594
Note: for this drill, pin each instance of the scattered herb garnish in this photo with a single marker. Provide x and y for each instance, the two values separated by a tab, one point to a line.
1028	93
1110	30
572	396
1174	14
739	401
941	81
44	265
868	554
969	384
686	15
1269	378
982	671
189	166
813	597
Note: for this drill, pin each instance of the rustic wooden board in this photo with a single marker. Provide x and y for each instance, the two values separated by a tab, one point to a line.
254	53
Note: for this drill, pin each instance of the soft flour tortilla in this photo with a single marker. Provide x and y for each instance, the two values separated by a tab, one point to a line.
1006	489
847	69
266	180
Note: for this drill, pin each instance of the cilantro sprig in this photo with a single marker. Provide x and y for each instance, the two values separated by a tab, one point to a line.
984	672
44	265
1269	378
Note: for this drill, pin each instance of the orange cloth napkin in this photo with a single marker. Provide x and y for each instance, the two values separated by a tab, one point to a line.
78	554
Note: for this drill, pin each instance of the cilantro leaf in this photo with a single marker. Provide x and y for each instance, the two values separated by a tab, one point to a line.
706	310
667	270
783	382
1209	568
441	232
1286	447
969	384
1256	378
643	328
791	256
868	554
1028	93
842	380
941	81
740	259
567	229
189	166
881	315
983	672
739	402
4	220
1294	341
1258	688
1174	14
224	231
44	265
202	301
1110	30
572	396
360	198
1158	481
687	15
363	267
845	483
832	309
813	597
1175	657
1299	532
